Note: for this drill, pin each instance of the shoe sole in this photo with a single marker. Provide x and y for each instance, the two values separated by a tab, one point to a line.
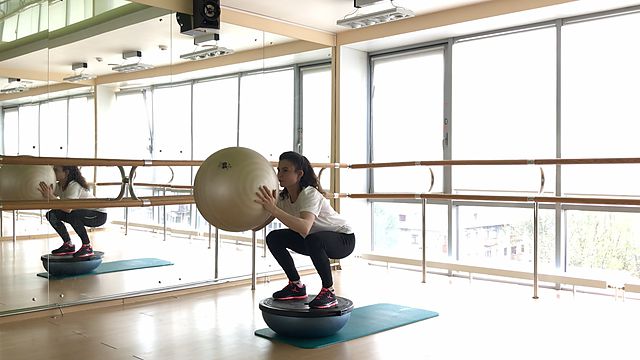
326	306
83	255
292	298
65	253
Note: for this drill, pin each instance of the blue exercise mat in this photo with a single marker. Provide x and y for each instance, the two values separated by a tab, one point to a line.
364	321
114	266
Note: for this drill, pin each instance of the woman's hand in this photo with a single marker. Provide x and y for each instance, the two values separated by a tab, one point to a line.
46	190
267	198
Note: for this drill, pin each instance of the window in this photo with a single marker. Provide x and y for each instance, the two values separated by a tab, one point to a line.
215	116
316	117
397	230
266	112
9	25
28	139
316	113
603	242
10	132
407	104
131	111
28	21
599	104
172	129
504	107
81	127
78	10
53	128
514	228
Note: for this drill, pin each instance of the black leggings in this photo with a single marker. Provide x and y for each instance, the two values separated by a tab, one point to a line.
78	219
320	246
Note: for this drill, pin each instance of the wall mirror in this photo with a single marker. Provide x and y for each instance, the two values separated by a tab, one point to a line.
118	80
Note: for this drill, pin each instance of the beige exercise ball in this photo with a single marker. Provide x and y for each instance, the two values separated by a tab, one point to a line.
225	188
21	182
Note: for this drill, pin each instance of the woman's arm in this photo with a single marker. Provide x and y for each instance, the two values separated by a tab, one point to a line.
302	225
48	193
46	190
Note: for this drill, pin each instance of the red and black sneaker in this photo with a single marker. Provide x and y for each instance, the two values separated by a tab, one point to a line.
291	292
84	251
325	299
66	249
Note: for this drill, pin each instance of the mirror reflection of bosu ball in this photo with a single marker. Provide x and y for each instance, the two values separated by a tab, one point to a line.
225	189
21	182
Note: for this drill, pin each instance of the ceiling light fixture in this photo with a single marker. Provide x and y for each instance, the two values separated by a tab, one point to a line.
376	17
363	3
15	85
212	51
131	67
79	76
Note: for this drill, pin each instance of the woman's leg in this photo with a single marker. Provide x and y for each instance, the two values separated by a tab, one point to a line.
322	246
80	218
279	241
55	218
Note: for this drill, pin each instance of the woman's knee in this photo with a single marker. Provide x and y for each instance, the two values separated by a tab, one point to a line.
274	238
51	216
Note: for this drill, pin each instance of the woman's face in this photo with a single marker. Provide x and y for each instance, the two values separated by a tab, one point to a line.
61	175
287	173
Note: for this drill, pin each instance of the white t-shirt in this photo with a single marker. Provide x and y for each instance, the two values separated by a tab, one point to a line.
74	191
311	200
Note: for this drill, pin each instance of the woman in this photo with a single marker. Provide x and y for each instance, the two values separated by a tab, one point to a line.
72	185
314	229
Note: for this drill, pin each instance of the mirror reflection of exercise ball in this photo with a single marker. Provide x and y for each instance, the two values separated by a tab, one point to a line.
225	188
21	182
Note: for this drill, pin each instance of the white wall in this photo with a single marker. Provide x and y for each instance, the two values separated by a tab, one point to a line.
353	142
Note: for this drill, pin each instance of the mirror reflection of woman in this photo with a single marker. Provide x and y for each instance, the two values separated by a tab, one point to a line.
72	185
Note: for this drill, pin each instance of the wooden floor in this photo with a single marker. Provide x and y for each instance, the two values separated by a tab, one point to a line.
194	262
478	320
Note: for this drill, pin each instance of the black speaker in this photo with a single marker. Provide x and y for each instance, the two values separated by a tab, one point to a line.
185	21
206	15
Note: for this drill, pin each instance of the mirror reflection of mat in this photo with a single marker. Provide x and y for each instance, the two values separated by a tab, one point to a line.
114	266
366	320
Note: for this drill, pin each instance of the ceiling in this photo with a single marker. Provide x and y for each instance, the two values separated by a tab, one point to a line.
158	36
163	32
323	14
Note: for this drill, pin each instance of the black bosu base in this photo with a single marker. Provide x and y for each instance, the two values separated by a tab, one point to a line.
294	318
59	265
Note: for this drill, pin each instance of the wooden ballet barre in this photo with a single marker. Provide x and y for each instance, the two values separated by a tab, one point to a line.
319	165
127	181
35	160
435	196
585	161
43	160
97	203
168	186
587	200
537	199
